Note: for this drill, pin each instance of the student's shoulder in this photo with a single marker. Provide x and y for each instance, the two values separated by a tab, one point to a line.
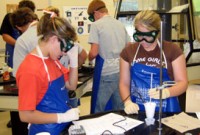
130	49
172	50
7	16
132	46
170	46
32	61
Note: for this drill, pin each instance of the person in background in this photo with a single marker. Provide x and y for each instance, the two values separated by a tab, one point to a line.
42	80
82	55
107	37
22	18
140	67
10	33
26	43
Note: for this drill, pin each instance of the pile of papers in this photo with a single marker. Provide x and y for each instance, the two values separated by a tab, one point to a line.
109	123
181	122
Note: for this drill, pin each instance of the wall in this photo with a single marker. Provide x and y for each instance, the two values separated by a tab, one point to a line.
60	3
193	73
40	4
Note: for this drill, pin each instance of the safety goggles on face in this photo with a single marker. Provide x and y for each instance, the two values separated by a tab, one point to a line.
149	37
66	45
91	17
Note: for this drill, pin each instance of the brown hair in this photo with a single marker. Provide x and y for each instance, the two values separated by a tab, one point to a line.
58	26
27	3
149	19
53	9
22	17
97	5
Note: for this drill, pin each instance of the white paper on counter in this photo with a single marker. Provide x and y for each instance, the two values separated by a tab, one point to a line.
97	126
181	122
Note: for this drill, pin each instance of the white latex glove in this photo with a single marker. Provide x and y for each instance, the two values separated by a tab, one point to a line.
154	93
43	133
70	115
130	107
73	56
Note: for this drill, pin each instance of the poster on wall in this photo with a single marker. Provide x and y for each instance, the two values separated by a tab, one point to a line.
78	17
11	7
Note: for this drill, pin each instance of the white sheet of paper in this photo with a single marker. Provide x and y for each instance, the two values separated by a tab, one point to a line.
181	122
97	126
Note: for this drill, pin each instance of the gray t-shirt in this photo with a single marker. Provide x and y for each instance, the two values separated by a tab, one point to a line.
24	44
111	36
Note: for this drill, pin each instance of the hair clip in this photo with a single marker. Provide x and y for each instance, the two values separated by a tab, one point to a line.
53	14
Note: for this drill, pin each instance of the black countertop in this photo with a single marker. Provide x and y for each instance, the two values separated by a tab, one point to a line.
144	129
9	87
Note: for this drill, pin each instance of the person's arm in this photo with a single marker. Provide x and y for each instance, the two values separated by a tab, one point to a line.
124	82
82	57
180	76
38	117
71	84
124	86
8	39
6	30
94	50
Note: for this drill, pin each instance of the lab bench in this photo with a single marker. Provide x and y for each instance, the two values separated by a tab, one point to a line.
9	97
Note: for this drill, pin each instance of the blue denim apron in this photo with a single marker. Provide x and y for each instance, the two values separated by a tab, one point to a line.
145	77
96	82
55	101
10	48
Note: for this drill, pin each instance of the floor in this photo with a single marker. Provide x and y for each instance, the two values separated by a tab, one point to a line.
5	116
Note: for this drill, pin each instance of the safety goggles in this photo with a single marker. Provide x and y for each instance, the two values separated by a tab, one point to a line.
66	45
91	17
149	37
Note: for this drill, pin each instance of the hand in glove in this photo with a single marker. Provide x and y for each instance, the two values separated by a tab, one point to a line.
130	107
73	56
70	115
154	93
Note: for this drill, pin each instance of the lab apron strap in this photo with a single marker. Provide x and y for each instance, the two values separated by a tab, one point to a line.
96	81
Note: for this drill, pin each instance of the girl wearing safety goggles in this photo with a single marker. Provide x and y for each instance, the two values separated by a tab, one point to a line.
43	82
140	67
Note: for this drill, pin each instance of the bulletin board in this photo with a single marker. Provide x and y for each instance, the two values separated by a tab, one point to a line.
78	17
11	7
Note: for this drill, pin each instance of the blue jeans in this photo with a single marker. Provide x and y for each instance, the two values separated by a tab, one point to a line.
74	102
109	88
